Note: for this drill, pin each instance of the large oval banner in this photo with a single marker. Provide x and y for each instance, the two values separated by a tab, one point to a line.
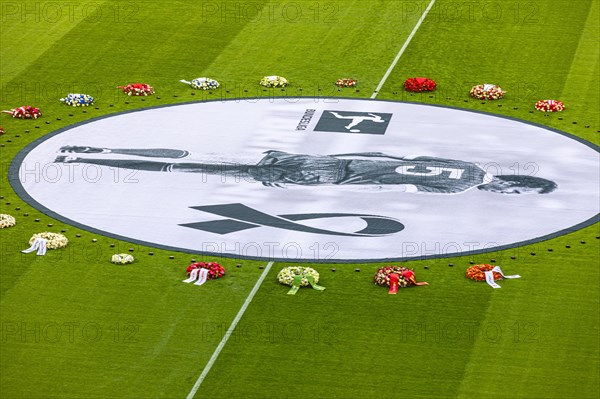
314	179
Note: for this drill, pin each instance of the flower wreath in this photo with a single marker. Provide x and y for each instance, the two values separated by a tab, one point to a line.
274	81
53	240
6	221
477	272
419	84
137	89
215	270
24	112
286	275
549	106
487	92
78	100
382	276
122	259
202	83
346	82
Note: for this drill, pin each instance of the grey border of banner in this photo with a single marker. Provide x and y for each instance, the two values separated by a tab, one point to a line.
13	177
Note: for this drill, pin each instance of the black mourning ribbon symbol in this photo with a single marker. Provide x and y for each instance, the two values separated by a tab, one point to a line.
241	217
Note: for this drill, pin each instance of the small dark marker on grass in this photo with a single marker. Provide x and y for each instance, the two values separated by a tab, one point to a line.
532	253
261	267
63	231
130	249
25	214
94	240
513	257
171	257
333	270
582	241
78	235
37	220
451	264
112	245
471	262
151	253
357	270
425	267
493	260
50	224
27	131
193	260
550	250
238	265
47	122
567	246
17	209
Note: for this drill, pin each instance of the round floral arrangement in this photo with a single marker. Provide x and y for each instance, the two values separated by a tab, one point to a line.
346	82
24	112
202	83
382	276
274	81
6	221
53	240
78	100
477	272
215	270
549	106
419	84
487	92
286	275
137	89
122	259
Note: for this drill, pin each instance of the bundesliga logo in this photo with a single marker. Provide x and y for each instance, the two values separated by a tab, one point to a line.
353	122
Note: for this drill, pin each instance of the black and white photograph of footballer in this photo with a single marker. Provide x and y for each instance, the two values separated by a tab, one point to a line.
421	174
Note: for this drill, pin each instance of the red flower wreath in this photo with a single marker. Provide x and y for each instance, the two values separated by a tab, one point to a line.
477	272
24	112
214	269
346	82
137	89
419	84
549	106
382	276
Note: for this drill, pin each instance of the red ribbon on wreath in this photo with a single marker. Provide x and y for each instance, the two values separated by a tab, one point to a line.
418	85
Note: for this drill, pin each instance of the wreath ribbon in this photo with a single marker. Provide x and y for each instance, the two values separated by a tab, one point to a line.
197	274
298	281
489	277
394	277
38	244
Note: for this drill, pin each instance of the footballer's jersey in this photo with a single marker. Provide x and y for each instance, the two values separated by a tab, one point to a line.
421	174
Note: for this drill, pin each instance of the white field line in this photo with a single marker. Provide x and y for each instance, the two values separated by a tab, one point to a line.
230	330
406	43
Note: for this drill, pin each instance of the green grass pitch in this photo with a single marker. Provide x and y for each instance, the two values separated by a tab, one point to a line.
76	326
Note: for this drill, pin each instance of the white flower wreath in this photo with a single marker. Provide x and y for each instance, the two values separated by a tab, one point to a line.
53	240
122	259
202	83
274	81
286	275
6	221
